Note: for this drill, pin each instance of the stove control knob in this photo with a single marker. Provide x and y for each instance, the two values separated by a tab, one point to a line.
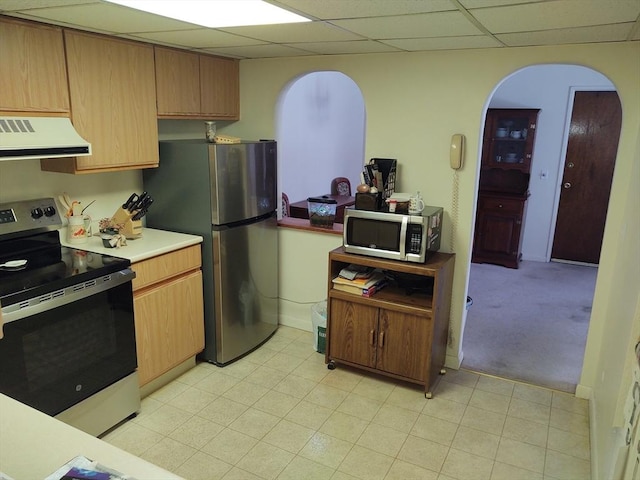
37	213
49	211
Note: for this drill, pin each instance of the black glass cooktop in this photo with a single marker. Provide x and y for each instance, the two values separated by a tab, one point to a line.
49	267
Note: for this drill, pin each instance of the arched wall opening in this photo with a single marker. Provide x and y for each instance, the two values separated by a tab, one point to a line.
320	125
551	89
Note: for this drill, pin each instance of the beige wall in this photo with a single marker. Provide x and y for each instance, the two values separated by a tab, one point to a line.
414	102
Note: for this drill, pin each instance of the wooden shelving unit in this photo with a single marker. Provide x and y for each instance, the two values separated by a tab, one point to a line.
397	332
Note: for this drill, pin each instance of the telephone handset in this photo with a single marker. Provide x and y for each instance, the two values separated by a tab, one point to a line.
456	152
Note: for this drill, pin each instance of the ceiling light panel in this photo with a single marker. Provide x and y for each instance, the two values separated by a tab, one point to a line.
217	13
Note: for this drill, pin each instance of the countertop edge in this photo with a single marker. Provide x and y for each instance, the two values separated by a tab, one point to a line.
35	445
151	244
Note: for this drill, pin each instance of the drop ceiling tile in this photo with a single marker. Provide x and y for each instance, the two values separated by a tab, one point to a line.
258	51
294	32
441	24
107	17
491	3
198	38
333	9
444	43
556	14
600	33
27	4
345	48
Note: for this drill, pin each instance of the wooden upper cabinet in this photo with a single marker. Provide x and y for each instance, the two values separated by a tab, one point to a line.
113	98
220	87
192	85
178	82
34	78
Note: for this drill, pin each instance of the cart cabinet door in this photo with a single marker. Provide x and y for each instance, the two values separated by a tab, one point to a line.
353	333
403	342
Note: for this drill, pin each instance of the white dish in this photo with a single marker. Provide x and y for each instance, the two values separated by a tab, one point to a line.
14	264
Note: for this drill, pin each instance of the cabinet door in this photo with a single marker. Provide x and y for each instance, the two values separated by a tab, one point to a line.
499	233
33	75
178	82
169	325
404	344
113	94
508	140
220	87
353	332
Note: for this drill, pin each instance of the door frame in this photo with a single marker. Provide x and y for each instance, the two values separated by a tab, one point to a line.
563	157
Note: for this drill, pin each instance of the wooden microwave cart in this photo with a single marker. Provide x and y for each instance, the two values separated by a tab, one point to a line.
395	333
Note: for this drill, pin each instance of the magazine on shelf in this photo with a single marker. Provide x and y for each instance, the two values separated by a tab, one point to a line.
352	272
365	292
81	468
361	286
374	278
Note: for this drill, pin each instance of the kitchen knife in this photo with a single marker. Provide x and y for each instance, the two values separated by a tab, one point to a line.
128	205
144	205
139	214
138	203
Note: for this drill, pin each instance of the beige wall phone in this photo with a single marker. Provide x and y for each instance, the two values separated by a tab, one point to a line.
456	152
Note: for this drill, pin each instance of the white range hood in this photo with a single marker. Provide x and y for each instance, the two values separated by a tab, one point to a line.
40	137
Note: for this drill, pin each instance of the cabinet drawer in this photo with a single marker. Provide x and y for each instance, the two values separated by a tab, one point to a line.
163	267
506	205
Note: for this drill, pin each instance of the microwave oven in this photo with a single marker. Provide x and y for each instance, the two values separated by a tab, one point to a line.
404	237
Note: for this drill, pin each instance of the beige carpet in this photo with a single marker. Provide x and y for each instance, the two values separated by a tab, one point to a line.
529	324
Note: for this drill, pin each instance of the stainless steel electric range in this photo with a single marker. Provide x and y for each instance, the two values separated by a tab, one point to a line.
69	345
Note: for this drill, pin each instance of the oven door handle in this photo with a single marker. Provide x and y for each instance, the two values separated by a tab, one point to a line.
64	296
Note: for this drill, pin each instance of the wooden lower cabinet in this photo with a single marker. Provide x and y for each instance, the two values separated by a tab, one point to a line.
499	223
169	311
380	339
393	333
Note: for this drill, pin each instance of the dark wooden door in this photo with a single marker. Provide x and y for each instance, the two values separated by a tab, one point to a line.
588	171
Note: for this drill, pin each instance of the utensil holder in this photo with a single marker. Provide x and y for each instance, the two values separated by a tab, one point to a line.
131	228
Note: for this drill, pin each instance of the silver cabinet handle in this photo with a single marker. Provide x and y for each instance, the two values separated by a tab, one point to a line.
566	185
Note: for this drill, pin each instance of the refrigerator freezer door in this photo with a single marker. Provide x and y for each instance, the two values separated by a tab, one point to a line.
244	181
245	260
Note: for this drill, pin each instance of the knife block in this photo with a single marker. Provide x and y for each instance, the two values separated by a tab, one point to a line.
131	228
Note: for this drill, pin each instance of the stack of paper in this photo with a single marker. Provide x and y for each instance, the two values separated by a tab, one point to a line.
353	271
361	286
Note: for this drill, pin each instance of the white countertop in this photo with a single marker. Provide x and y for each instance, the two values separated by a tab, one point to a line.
33	445
152	243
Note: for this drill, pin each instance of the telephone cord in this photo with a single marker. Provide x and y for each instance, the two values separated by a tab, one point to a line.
454	209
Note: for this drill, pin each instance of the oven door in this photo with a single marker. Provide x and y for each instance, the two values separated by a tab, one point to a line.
68	345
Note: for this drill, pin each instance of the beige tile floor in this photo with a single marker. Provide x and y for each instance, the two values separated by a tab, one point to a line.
279	413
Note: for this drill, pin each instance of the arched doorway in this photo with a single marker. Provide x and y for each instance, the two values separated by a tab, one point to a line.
522	324
320	126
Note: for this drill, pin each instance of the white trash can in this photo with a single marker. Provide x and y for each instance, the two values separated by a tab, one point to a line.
319	323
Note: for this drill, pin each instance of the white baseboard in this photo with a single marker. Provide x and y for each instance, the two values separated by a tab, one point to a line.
295	323
583	391
533	258
295	315
453	361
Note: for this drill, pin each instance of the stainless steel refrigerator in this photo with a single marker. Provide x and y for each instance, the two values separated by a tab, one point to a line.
227	194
